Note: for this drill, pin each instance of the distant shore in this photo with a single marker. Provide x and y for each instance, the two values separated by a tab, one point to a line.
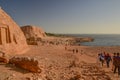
98	39
74	40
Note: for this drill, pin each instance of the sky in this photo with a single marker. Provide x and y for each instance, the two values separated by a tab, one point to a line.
67	16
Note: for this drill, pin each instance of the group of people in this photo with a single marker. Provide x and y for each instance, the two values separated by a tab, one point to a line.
75	50
107	58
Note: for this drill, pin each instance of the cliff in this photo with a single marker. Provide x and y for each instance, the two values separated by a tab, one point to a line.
12	39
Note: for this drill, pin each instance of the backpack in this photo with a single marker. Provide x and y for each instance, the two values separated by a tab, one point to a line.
102	58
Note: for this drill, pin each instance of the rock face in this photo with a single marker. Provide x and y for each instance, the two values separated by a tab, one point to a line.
27	63
33	34
33	31
12	39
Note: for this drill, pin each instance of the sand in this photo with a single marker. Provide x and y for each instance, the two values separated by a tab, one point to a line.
61	64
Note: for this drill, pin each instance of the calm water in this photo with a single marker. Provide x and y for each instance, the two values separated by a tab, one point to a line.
102	39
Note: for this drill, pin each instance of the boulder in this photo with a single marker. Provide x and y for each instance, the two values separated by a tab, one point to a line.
12	39
26	63
3	59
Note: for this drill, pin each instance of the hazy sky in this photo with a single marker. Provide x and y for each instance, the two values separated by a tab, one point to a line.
67	16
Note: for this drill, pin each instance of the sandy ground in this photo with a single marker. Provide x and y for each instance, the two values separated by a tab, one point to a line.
61	64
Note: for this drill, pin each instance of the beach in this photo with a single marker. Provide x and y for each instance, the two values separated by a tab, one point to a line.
59	40
59	62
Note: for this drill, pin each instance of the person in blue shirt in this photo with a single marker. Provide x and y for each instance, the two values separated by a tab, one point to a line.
101	57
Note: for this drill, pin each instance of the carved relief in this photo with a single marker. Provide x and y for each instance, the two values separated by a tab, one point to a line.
8	39
0	37
5	35
14	39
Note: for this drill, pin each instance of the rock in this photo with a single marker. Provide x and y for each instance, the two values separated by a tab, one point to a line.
4	60
76	77
28	78
3	57
12	39
13	75
33	32
26	63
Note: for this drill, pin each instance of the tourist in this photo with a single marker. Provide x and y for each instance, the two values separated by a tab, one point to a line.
114	62
65	47
81	52
76	50
117	59
108	59
98	60
105	55
101	58
73	50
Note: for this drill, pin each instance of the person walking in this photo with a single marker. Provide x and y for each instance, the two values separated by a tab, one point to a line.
73	50
117	59
76	50
108	59
98	60
114	62
101	58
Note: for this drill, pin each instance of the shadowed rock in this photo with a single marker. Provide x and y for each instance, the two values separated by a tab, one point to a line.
27	63
3	59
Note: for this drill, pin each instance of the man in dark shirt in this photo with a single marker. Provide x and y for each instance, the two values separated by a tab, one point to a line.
117	63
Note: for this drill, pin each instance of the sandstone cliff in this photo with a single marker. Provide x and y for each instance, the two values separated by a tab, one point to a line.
12	39
33	31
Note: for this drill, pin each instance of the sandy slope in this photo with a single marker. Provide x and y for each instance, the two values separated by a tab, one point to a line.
61	64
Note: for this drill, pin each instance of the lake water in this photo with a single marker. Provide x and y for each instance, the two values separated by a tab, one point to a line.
101	39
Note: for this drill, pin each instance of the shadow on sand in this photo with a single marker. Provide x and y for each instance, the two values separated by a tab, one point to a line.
17	69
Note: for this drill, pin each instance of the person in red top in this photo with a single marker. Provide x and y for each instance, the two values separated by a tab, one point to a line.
105	55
